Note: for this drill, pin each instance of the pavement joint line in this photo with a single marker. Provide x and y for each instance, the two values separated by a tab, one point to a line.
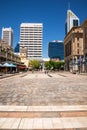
19	123
43	108
46	123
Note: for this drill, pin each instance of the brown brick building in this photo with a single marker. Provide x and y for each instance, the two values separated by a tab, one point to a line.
73	49
7	55
84	27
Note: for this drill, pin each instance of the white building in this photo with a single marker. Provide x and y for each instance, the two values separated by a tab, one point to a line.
31	40
71	21
7	35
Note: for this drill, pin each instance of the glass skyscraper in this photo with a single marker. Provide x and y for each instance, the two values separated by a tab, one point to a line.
16	49
56	50
71	21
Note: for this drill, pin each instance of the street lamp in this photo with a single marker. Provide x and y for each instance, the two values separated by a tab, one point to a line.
0	52
80	64
86	62
73	65
7	50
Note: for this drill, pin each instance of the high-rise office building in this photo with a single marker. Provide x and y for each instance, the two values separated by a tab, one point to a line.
31	40
56	50
16	49
71	21
7	35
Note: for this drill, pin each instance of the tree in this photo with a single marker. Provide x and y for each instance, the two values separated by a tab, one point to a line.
46	64
34	64
49	65
62	65
57	65
54	65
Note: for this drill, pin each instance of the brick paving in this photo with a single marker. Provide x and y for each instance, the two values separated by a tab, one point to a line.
39	101
41	89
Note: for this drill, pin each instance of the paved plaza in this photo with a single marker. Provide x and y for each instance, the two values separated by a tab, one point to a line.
38	101
44	89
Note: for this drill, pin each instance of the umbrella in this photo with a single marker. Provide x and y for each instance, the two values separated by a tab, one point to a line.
1	65
12	65
6	65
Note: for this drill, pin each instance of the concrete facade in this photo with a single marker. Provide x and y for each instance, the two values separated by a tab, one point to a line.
7	35
31	39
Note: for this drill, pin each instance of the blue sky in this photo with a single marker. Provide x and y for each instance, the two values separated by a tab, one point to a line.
52	13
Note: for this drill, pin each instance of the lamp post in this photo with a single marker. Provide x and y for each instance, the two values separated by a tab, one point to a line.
86	62
7	50
73	65
11	61
80	64
0	52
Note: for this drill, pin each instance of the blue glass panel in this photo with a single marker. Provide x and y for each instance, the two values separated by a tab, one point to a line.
56	50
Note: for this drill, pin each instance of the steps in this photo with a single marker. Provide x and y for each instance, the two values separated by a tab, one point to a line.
43	117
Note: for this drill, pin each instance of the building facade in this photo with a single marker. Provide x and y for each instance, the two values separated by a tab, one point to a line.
84	27
71	21
16	49
56	50
7	36
31	39
8	56
73	49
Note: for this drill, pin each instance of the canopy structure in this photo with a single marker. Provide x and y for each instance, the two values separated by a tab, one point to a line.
12	65
1	65
8	65
22	67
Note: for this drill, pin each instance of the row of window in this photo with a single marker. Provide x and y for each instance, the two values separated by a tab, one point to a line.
34	50
30	41
36	56
31	44
40	50
31	28
31	33
28	29
36	47
31	38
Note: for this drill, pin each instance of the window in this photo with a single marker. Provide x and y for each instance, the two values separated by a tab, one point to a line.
75	22
65	28
86	38
77	38
77	51
77	44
